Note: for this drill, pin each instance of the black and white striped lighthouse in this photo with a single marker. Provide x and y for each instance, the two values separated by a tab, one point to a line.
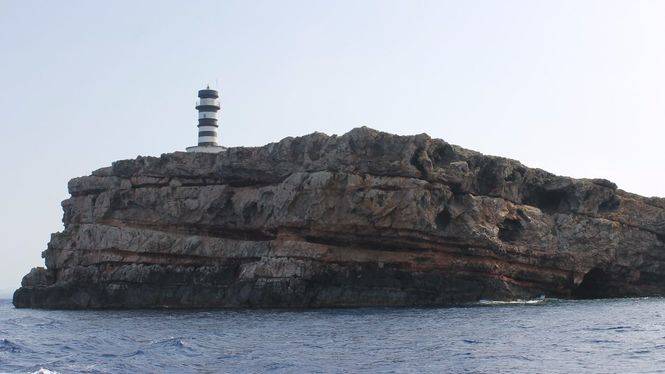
208	107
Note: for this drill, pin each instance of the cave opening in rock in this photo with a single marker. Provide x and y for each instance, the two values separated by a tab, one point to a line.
594	285
548	201
612	204
510	230
443	219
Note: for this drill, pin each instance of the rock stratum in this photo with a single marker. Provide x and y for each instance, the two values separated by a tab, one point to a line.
363	219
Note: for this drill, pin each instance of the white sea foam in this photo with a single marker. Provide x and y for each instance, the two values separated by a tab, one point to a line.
539	300
45	371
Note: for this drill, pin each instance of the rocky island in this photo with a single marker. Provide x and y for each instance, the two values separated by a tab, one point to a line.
363	219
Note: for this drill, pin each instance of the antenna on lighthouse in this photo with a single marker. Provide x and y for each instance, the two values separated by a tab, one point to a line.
208	106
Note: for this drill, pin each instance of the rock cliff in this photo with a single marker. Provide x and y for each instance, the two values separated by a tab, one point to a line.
363	219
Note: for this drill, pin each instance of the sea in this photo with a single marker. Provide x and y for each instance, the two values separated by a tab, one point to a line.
533	336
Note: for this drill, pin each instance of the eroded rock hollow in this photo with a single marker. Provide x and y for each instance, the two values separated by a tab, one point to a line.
363	219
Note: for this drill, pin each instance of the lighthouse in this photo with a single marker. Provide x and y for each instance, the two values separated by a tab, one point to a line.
208	107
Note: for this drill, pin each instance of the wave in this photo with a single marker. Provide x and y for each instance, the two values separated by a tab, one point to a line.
9	346
619	328
137	352
33	322
172	345
171	342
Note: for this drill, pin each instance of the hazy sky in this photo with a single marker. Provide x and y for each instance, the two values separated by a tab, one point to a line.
573	87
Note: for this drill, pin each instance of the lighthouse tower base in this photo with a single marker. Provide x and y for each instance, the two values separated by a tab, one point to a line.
206	149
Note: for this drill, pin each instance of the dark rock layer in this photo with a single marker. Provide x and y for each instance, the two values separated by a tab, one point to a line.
363	219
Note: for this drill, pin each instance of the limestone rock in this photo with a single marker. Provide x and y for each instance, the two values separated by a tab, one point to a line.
363	219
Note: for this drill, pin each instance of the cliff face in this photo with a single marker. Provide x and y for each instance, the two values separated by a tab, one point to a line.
362	219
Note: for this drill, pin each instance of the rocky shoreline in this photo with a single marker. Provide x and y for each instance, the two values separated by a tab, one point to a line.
363	219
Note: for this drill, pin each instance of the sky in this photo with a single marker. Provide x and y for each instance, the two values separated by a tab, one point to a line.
573	87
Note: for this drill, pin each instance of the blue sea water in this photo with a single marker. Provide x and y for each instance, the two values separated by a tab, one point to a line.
609	336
